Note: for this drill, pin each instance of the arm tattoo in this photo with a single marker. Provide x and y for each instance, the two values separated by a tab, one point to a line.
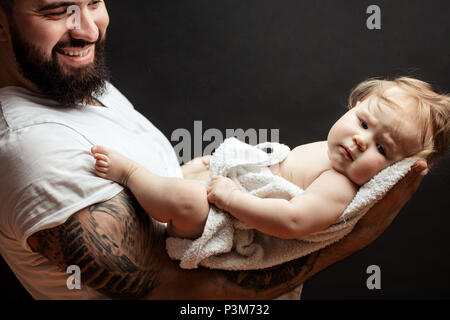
275	276
118	248
112	244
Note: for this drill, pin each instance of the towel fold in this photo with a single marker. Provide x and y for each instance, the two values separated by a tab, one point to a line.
227	243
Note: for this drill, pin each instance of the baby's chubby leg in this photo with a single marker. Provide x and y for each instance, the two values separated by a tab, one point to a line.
182	203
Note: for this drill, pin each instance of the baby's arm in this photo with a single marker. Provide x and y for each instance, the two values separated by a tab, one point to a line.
315	209
179	202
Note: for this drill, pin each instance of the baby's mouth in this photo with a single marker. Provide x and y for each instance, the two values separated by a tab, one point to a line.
346	150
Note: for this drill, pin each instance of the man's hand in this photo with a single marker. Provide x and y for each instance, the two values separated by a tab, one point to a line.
383	213
375	221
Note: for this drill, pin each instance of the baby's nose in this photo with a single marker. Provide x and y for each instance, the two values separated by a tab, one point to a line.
360	142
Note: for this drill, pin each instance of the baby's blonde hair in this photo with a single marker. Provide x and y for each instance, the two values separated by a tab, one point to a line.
433	110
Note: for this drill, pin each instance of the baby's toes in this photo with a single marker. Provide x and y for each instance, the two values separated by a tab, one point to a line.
101	171
102	163
101	174
99	150
99	156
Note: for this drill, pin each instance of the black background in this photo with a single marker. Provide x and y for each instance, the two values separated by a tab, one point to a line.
289	65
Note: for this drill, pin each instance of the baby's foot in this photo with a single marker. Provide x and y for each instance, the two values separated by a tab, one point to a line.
112	165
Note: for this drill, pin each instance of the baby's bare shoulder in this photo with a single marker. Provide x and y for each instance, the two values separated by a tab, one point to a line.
305	163
312	154
318	146
334	186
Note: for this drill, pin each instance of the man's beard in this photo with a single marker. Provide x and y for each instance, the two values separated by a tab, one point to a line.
78	85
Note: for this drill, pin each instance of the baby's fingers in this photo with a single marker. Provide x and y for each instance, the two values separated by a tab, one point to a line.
211	196
214	180
212	185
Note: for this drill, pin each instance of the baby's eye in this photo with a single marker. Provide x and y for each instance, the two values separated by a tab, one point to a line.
364	125
381	149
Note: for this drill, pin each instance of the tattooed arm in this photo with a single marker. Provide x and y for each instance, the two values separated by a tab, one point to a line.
121	253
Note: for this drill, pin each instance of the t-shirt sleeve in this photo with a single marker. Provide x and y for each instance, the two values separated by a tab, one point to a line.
48	174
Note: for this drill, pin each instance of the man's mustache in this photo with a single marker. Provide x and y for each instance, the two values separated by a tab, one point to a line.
75	43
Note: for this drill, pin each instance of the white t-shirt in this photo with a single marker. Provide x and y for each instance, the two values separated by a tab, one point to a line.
47	173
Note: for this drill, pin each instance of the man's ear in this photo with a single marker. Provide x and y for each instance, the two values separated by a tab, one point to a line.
3	26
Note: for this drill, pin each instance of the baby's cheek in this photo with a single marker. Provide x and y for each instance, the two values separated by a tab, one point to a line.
368	170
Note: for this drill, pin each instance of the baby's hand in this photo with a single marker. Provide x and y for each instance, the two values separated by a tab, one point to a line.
220	191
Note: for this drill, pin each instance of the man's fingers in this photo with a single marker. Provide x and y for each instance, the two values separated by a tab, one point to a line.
406	187
420	166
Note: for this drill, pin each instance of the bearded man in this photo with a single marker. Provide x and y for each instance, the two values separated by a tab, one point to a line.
56	103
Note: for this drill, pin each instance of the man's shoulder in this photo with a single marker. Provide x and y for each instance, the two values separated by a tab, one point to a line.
113	97
21	108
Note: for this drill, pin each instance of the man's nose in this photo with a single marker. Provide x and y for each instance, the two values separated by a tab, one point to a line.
361	142
85	28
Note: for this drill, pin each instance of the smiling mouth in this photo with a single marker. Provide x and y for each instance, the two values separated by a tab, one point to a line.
74	53
77	53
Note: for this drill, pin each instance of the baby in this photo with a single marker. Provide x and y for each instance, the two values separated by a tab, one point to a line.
387	121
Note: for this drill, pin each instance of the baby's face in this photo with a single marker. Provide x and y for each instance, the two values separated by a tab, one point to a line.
367	139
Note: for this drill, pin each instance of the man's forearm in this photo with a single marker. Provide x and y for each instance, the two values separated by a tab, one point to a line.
122	253
110	242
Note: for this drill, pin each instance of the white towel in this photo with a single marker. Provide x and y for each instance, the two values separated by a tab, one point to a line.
229	244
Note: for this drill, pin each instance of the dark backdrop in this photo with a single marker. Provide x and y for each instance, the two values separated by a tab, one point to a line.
289	65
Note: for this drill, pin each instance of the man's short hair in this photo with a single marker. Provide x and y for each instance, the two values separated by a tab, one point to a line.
7	6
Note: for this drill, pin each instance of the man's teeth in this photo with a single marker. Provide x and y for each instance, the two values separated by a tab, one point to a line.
76	53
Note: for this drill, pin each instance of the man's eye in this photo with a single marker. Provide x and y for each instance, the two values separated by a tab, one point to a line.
56	14
364	125
381	149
